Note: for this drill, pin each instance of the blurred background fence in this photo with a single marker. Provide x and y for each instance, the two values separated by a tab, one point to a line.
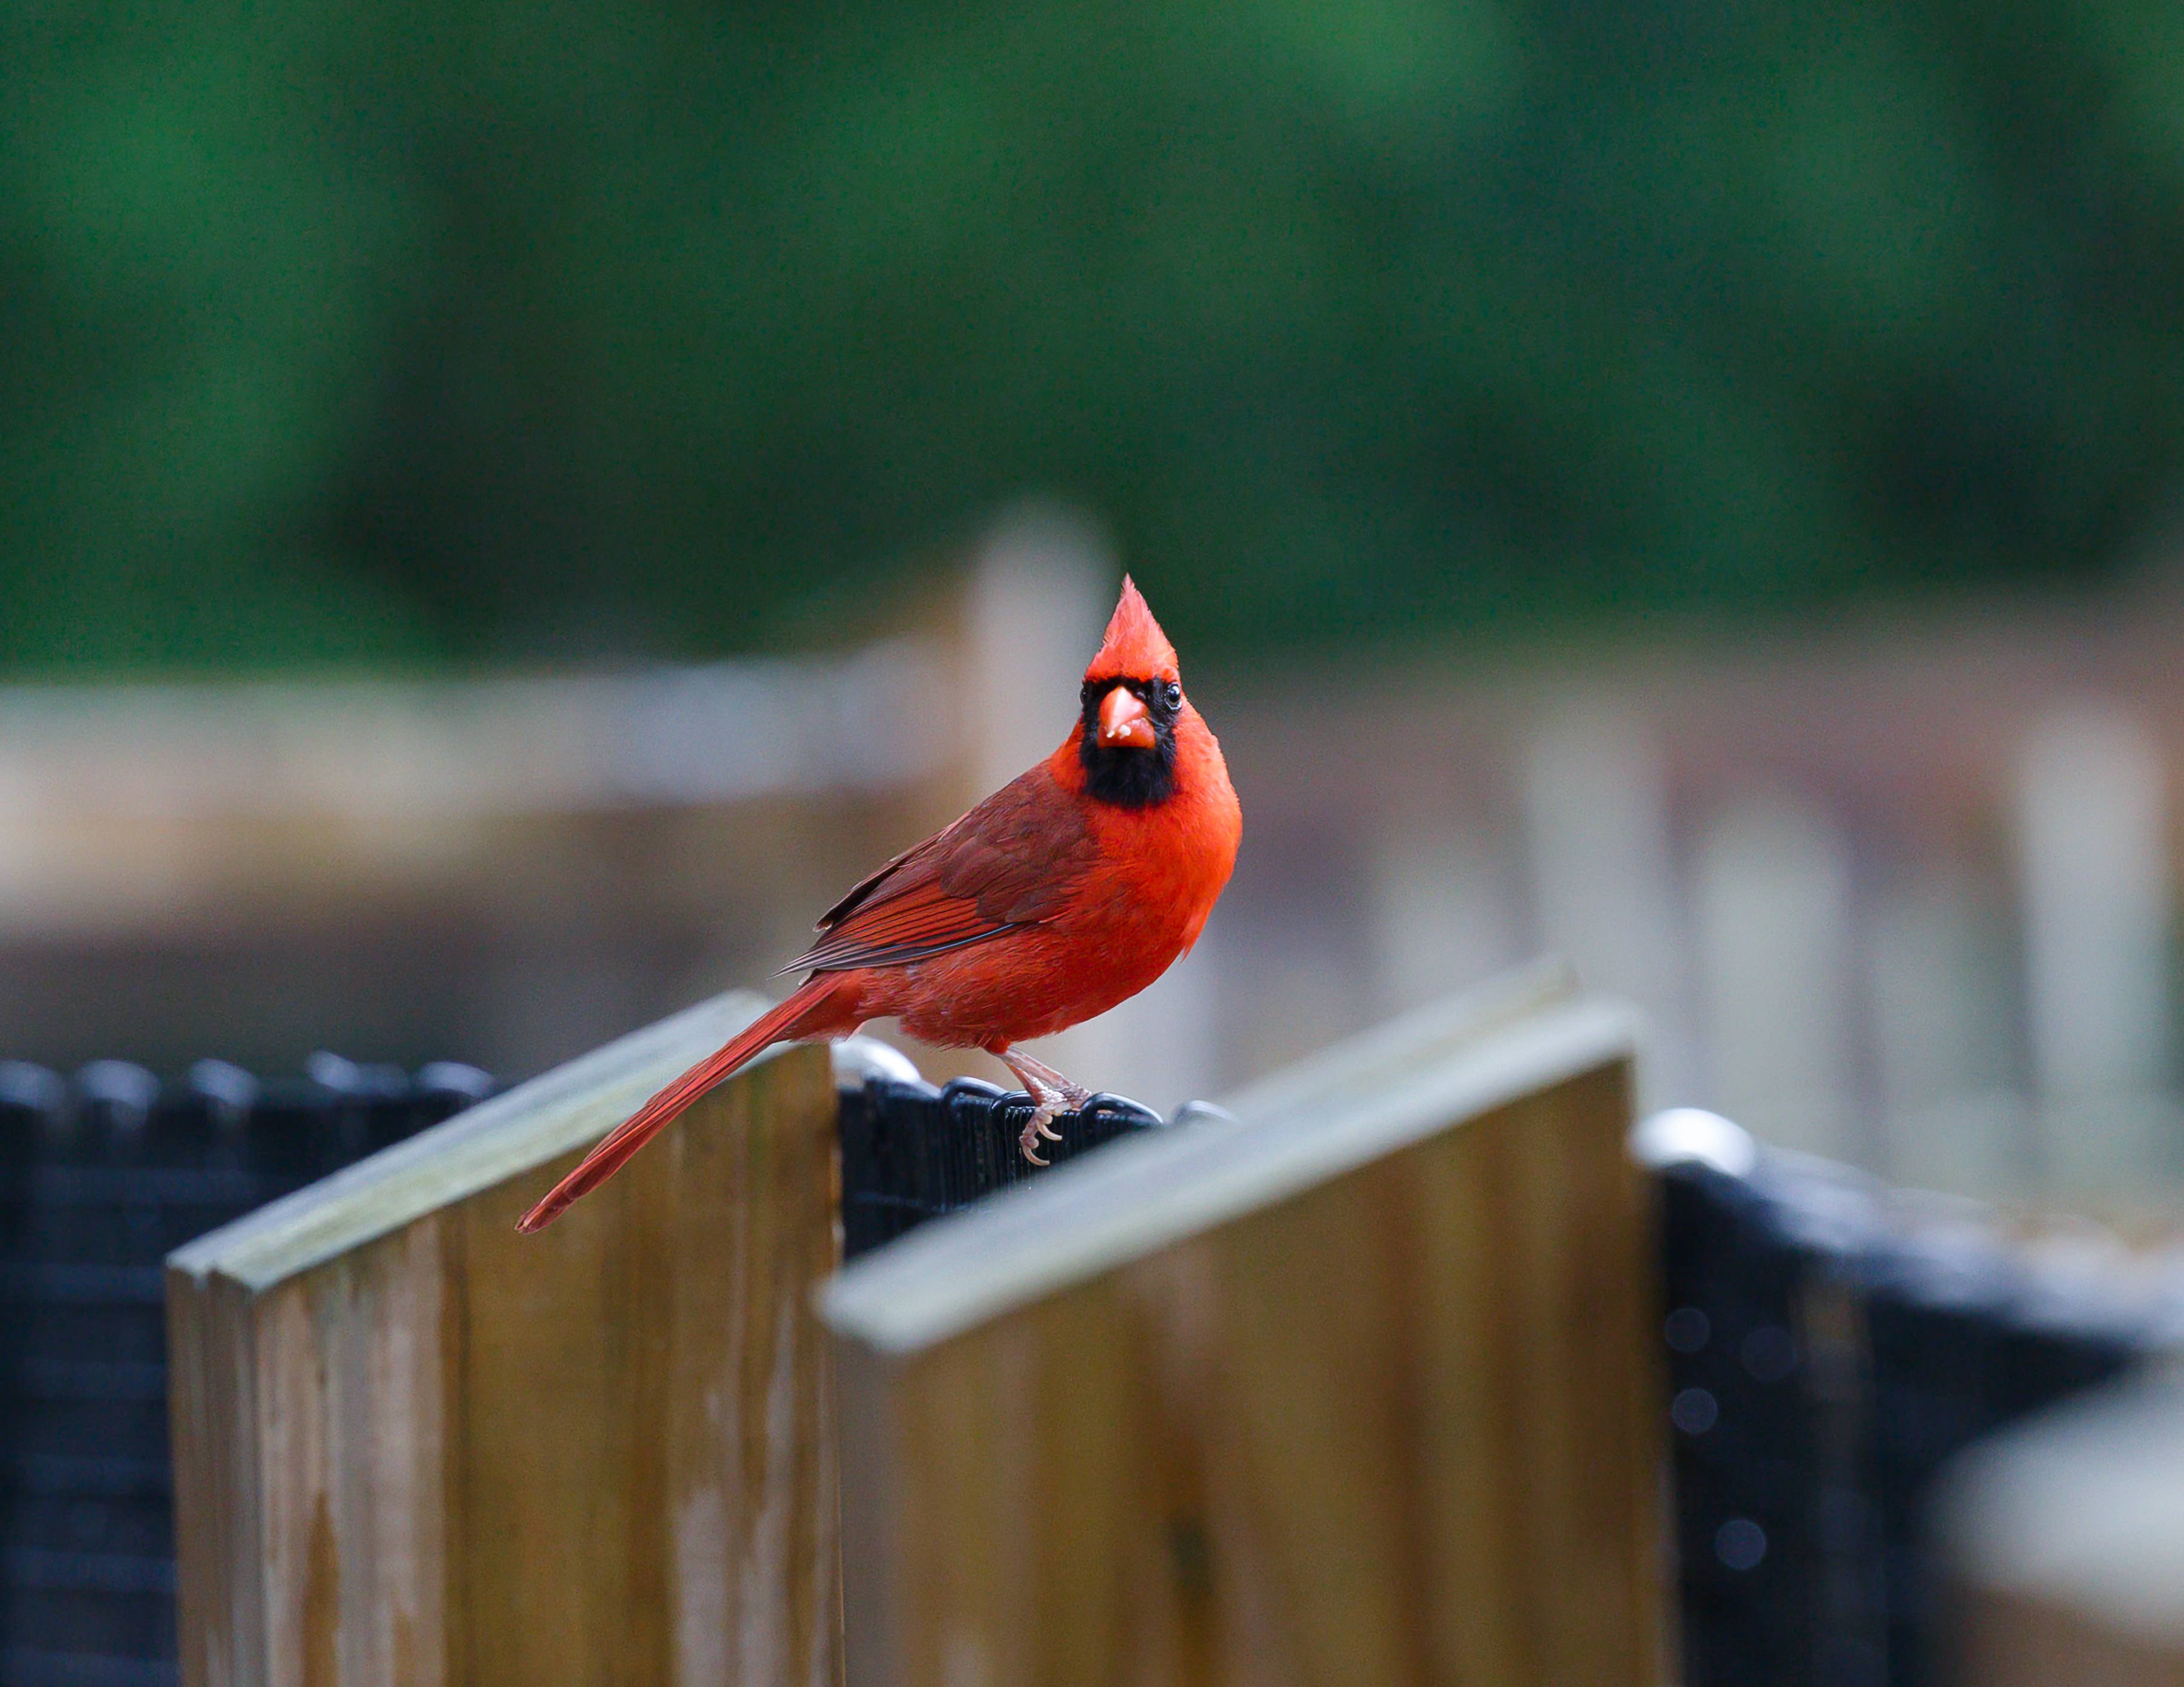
1904	901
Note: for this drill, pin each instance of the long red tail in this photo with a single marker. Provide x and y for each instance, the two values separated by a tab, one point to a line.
812	1010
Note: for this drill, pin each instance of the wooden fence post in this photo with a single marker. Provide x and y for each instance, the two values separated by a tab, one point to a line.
2063	1538
413	1447
1359	1389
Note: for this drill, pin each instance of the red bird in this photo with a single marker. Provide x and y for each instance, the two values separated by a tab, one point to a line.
1067	891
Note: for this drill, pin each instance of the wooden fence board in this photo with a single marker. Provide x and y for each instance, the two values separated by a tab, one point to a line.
1360	1389
415	1447
1357	1388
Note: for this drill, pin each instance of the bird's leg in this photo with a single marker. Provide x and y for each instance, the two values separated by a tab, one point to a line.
1073	1095
1051	1094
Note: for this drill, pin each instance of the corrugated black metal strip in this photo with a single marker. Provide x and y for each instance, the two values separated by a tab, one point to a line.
99	1178
910	1152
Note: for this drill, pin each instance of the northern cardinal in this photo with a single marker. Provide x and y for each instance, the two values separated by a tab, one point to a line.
1067	891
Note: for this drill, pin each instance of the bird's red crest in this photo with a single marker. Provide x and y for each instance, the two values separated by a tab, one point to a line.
1134	648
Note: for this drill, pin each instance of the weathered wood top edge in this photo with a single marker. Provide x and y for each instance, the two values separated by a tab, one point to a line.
571	1106
1436	1028
1144	1193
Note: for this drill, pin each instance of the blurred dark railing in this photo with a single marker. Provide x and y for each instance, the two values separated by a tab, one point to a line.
1825	1355
1830	1345
99	1178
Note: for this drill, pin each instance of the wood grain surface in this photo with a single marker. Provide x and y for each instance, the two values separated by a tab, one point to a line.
444	1453
2013	1638
1398	1427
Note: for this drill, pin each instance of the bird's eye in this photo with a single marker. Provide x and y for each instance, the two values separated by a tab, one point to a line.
1171	694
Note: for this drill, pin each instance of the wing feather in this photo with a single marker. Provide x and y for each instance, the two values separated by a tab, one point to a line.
1012	861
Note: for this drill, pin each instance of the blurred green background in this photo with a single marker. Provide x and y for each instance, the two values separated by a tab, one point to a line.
420	333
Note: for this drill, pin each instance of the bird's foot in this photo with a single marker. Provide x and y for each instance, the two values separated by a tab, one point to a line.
1051	1095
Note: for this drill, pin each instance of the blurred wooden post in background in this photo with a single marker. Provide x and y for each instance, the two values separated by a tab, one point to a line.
413	1447
2064	1540
1357	1389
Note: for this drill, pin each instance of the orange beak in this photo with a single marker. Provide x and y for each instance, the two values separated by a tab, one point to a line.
1124	722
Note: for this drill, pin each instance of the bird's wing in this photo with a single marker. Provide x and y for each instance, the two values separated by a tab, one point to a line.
1012	861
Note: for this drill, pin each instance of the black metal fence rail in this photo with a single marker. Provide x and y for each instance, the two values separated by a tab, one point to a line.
100	1176
910	1152
1829	1344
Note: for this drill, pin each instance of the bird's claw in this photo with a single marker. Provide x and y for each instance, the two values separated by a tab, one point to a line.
1051	1094
1041	1128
